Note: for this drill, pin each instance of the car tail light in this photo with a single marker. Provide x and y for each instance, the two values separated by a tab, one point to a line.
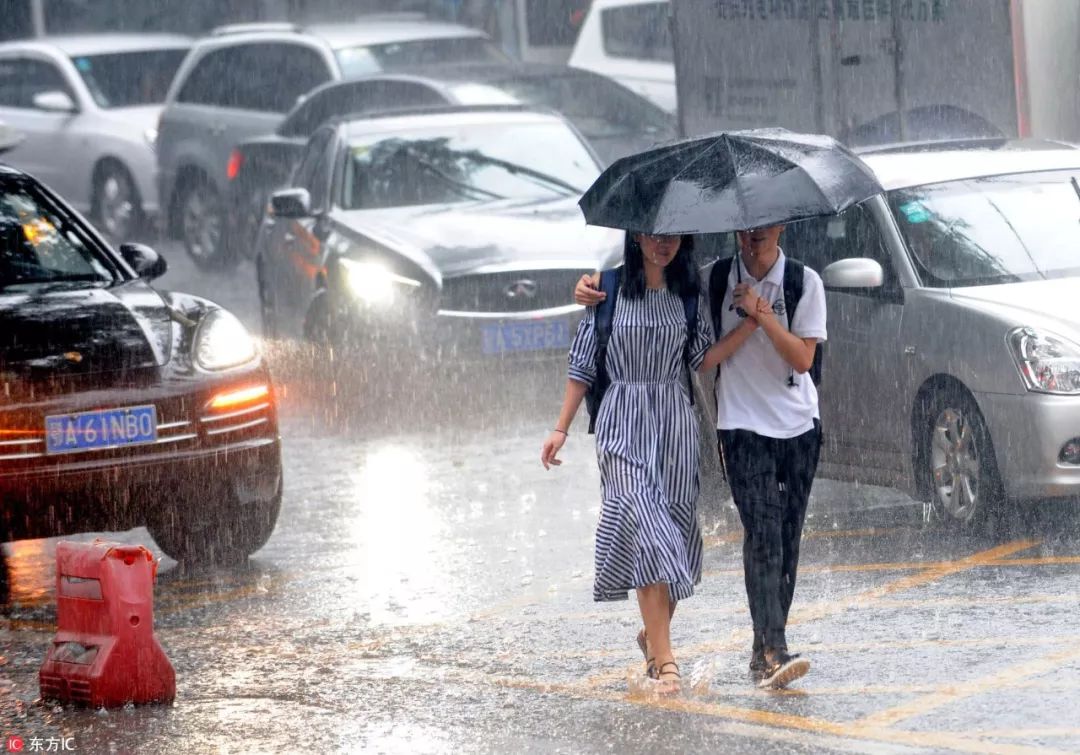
239	397
236	161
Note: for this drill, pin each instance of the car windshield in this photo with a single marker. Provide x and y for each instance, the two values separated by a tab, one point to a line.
368	59
473	162
983	231
123	79
597	106
40	245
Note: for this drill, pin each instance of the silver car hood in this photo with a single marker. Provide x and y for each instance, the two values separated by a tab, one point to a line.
473	237
1050	303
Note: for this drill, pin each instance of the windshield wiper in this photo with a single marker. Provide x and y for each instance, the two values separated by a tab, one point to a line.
431	167
52	279
516	169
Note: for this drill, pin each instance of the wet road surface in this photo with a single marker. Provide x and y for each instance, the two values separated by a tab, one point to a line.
428	589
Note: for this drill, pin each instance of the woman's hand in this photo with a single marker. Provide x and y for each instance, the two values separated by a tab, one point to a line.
587	293
552	446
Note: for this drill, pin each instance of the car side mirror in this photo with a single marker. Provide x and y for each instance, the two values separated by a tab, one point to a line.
856	272
291	203
54	101
146	263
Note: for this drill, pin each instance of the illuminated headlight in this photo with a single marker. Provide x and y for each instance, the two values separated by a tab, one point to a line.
151	137
374	283
1047	362
222	342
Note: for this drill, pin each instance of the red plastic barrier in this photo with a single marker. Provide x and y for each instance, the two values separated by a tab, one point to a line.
105	653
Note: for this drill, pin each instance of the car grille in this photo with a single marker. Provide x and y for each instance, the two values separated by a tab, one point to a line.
510	292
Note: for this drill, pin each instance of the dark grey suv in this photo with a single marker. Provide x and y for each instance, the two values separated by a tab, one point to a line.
239	82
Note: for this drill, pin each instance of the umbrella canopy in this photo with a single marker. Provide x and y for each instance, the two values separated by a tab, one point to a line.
727	182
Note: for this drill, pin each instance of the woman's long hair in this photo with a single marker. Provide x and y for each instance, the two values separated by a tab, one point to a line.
681	274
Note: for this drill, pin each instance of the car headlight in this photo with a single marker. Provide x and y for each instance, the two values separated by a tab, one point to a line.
374	283
222	341
1047	362
151	137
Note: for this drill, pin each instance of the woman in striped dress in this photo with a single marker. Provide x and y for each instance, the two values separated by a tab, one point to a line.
648	539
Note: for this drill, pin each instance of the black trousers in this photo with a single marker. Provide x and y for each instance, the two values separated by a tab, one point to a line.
770	481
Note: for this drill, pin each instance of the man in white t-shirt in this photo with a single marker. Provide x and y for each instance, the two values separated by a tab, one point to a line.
768	424
769	429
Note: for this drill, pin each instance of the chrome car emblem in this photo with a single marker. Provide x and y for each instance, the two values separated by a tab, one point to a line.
522	289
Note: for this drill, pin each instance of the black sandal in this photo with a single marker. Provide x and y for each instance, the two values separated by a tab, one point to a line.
650	663
675	683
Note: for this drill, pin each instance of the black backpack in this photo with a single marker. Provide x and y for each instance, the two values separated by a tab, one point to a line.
610	282
793	291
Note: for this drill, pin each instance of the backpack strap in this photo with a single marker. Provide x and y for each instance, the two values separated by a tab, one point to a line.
610	281
794	280
718	282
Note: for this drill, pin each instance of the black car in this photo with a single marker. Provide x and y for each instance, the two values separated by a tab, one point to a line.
438	234
614	120
122	405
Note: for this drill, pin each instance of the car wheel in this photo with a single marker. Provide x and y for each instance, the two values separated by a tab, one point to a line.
225	536
201	223
318	321
267	310
116	203
958	463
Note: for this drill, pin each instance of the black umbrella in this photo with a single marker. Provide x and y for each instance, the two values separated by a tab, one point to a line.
726	182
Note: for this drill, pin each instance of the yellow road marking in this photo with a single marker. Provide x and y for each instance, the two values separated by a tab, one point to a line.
961	690
778	720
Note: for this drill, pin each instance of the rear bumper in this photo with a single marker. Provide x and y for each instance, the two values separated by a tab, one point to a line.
1028	432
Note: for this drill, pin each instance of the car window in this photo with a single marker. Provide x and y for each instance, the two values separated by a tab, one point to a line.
129	78
985	231
641	32
305	169
475	162
280	75
356	98
40	245
22	79
212	81
596	105
369	59
820	242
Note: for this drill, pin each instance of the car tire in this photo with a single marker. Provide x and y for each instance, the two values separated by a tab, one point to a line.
956	459
115	203
222	536
202	225
267	308
319	320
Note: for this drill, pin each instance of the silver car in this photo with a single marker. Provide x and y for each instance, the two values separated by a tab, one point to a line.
87	108
952	369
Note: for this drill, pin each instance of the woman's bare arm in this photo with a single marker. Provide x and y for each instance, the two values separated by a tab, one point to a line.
722	350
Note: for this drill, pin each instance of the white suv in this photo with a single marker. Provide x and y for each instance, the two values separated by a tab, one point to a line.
239	82
630	41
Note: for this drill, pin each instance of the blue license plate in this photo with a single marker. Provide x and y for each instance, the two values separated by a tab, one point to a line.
107	428
509	337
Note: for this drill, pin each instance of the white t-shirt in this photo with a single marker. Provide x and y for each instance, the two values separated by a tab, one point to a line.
753	391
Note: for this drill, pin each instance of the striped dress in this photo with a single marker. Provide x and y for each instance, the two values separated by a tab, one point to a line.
646	445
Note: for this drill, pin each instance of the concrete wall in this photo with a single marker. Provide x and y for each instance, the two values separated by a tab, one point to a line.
1052	41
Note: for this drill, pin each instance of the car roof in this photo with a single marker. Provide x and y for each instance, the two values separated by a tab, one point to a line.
899	168
99	44
450	116
372	30
378	32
